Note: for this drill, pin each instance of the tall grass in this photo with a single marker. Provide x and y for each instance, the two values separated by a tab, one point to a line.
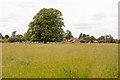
0	60
60	60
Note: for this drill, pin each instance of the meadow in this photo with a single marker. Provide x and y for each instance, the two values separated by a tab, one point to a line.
59	60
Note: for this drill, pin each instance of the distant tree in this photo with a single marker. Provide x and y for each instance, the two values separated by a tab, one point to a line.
19	36
27	37
92	38
13	33
87	35
116	41
1	36
47	26
81	36
109	39
88	38
84	35
68	35
101	38
6	36
106	39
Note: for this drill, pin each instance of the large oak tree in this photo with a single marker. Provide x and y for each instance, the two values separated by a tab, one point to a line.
47	26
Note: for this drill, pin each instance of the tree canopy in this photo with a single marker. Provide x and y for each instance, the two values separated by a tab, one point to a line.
6	36
68	35
1	36
13	33
86	38
47	26
106	39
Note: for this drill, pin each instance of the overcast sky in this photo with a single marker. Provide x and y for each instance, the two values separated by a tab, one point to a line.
94	17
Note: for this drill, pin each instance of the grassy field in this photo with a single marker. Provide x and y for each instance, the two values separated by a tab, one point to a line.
59	60
0	61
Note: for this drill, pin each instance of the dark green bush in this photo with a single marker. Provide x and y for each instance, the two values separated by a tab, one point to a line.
83	41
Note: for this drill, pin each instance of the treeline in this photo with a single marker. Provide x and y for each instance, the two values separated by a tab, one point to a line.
83	38
102	39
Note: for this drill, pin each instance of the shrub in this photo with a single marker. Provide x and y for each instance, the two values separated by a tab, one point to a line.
14	39
101	41
4	40
117	41
83	41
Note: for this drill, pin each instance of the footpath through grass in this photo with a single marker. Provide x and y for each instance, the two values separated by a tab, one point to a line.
59	60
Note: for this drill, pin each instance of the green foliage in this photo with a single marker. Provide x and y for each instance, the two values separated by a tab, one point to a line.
27	37
106	39
4	40
83	41
101	38
1	37
47	26
6	36
91	39
117	41
82	36
87	38
14	39
101	41
109	39
68	35
19	36
13	33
